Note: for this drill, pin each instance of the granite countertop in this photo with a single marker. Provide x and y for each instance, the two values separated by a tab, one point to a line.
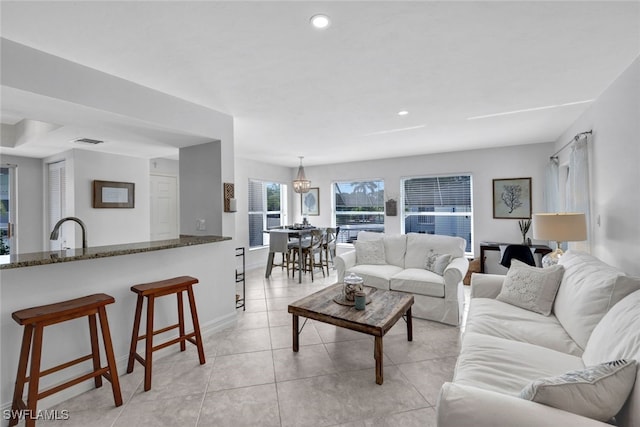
43	258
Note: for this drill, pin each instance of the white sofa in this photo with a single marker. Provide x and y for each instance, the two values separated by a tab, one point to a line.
439	298
595	319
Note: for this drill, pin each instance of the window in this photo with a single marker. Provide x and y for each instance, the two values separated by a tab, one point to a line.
267	208
359	205
438	205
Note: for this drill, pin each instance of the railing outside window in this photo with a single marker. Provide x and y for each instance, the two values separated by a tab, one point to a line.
359	205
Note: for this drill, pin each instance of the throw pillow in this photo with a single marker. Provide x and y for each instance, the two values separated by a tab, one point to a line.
370	252
531	288
437	262
596	392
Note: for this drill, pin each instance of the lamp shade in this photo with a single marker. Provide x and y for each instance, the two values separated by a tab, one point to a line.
301	184
560	227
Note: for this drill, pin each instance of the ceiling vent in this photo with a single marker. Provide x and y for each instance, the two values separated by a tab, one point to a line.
88	141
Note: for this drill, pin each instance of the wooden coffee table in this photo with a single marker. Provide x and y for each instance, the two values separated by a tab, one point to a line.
376	319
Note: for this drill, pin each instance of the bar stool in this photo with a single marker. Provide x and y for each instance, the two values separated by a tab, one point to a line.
151	291
34	320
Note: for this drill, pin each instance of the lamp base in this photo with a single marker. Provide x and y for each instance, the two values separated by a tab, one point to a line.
552	258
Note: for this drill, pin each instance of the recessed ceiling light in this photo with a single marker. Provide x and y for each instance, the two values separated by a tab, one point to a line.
403	113
547	107
320	21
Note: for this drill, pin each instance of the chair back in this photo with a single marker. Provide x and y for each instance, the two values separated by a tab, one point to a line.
317	237
522	253
330	237
278	241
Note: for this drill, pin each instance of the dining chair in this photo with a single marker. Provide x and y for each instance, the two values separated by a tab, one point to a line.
278	243
310	249
329	245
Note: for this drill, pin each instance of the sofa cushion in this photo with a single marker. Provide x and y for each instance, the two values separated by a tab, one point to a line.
491	317
419	246
418	281
370	252
395	247
507	366
436	262
617	336
531	288
589	288
365	236
596	392
377	276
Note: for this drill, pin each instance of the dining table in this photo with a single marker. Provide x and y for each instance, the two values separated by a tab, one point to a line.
295	232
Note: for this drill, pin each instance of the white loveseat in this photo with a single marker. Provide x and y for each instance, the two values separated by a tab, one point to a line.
437	297
595	319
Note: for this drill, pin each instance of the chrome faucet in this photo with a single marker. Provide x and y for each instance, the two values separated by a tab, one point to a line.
56	229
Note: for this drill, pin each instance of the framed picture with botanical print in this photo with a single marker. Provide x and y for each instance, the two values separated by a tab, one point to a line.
512	198
310	202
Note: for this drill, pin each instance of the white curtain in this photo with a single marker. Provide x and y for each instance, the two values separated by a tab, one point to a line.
551	186
578	194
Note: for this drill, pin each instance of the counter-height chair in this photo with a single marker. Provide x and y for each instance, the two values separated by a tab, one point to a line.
309	251
329	245
34	320
278	243
151	291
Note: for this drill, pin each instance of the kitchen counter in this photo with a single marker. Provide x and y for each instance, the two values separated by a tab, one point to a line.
35	279
43	258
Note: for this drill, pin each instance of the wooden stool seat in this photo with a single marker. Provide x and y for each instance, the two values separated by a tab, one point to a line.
34	320
152	290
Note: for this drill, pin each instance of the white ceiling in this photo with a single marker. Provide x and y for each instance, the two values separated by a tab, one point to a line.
333	95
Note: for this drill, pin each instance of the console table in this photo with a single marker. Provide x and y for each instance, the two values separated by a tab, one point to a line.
495	246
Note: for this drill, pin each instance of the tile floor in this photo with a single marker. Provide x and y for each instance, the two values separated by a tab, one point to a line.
252	378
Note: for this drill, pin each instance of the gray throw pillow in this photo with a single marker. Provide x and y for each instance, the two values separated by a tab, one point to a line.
596	392
531	288
436	262
370	252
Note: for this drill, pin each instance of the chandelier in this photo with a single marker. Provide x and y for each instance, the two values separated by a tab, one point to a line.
301	184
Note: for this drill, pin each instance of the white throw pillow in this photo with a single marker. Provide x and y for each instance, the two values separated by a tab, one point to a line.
436	263
596	392
370	252
531	288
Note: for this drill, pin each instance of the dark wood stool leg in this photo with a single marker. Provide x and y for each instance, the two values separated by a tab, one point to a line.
111	360
183	345
134	335
34	377
95	348
196	325
22	373
148	354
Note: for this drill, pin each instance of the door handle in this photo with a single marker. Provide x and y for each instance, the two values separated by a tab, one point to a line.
9	230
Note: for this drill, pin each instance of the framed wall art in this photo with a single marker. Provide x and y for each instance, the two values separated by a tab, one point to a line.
512	198
310	202
111	194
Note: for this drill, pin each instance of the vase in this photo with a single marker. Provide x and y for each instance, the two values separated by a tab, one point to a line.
352	284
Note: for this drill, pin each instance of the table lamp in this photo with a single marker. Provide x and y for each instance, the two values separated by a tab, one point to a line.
559	227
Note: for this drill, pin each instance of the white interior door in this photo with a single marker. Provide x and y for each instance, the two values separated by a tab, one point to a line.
57	182
164	207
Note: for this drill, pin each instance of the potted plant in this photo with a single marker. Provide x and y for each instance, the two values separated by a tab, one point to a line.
524	225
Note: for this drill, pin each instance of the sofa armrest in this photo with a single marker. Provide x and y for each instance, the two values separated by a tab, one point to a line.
462	405
455	271
343	262
486	285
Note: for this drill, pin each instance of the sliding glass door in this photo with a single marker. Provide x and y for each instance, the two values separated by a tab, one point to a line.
7	209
